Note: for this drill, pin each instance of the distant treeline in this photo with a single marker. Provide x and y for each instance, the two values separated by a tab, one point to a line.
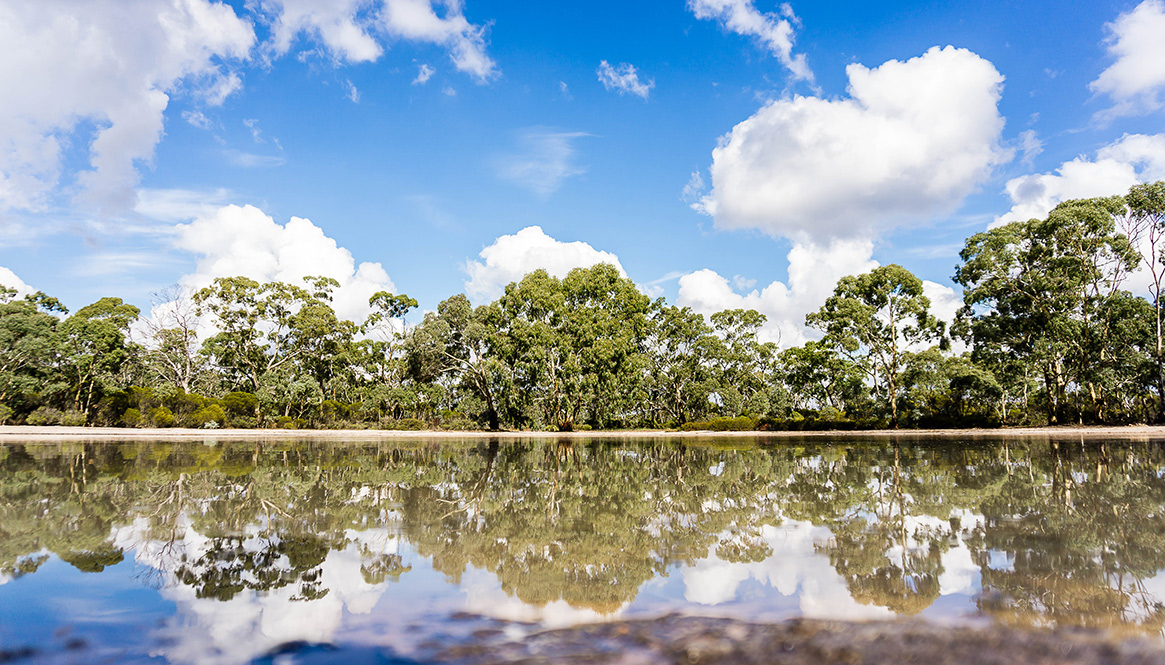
1054	336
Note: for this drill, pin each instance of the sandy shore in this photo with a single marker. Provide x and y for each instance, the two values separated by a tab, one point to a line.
21	433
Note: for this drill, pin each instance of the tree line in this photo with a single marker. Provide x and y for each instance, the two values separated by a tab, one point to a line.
1049	332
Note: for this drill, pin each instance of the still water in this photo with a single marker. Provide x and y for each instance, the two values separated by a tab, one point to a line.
220	552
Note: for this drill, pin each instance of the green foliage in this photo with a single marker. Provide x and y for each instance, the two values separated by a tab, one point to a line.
1051	335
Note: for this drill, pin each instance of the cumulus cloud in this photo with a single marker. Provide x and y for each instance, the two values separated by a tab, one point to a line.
773	32
112	63
1136	77
511	257
10	280
418	21
813	272
545	158
245	241
910	143
624	79
1115	168
343	27
349	30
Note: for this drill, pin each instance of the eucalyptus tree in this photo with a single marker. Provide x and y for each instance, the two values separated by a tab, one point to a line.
873	319
271	328
818	376
606	328
93	346
679	377
742	364
172	340
1034	292
28	331
1144	225
459	341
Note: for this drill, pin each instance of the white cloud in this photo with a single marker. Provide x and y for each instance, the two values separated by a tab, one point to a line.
342	26
418	21
545	160
511	257
244	241
449	91
1136	78
353	93
1030	146
1116	167
180	205
10	280
911	142
694	190
112	63
424	73
250	160
197	119
774	32
813	272
623	79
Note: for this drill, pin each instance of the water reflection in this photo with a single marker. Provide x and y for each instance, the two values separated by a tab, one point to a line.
259	543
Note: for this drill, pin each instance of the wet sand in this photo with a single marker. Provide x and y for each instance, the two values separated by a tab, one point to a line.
21	433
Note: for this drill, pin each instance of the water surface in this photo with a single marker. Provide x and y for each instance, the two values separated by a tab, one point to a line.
221	552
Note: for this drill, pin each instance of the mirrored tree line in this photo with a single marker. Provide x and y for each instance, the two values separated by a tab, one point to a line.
1059	532
1050	332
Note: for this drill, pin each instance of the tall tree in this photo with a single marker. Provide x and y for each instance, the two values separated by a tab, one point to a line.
1035	291
873	319
93	347
1144	224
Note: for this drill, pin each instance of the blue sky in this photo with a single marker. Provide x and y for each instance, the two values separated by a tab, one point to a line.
429	137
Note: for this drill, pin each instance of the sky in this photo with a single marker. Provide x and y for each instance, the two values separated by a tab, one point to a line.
721	153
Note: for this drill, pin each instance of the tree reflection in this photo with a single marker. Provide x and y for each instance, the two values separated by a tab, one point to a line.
1060	533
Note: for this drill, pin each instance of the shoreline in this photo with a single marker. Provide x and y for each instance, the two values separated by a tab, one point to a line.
20	433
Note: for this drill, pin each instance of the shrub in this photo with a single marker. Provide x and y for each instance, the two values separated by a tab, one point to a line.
131	418
212	413
161	417
5	414
738	424
240	403
404	424
45	415
74	419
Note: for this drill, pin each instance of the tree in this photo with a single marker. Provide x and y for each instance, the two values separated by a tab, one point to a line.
741	363
679	377
1034	292
459	340
28	341
271	327
820	377
93	347
1144	225
872	319
172	344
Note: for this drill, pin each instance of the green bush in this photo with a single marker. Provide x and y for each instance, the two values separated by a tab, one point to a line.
161	417
45	415
738	424
212	413
131	418
240	404
404	424
74	419
5	414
